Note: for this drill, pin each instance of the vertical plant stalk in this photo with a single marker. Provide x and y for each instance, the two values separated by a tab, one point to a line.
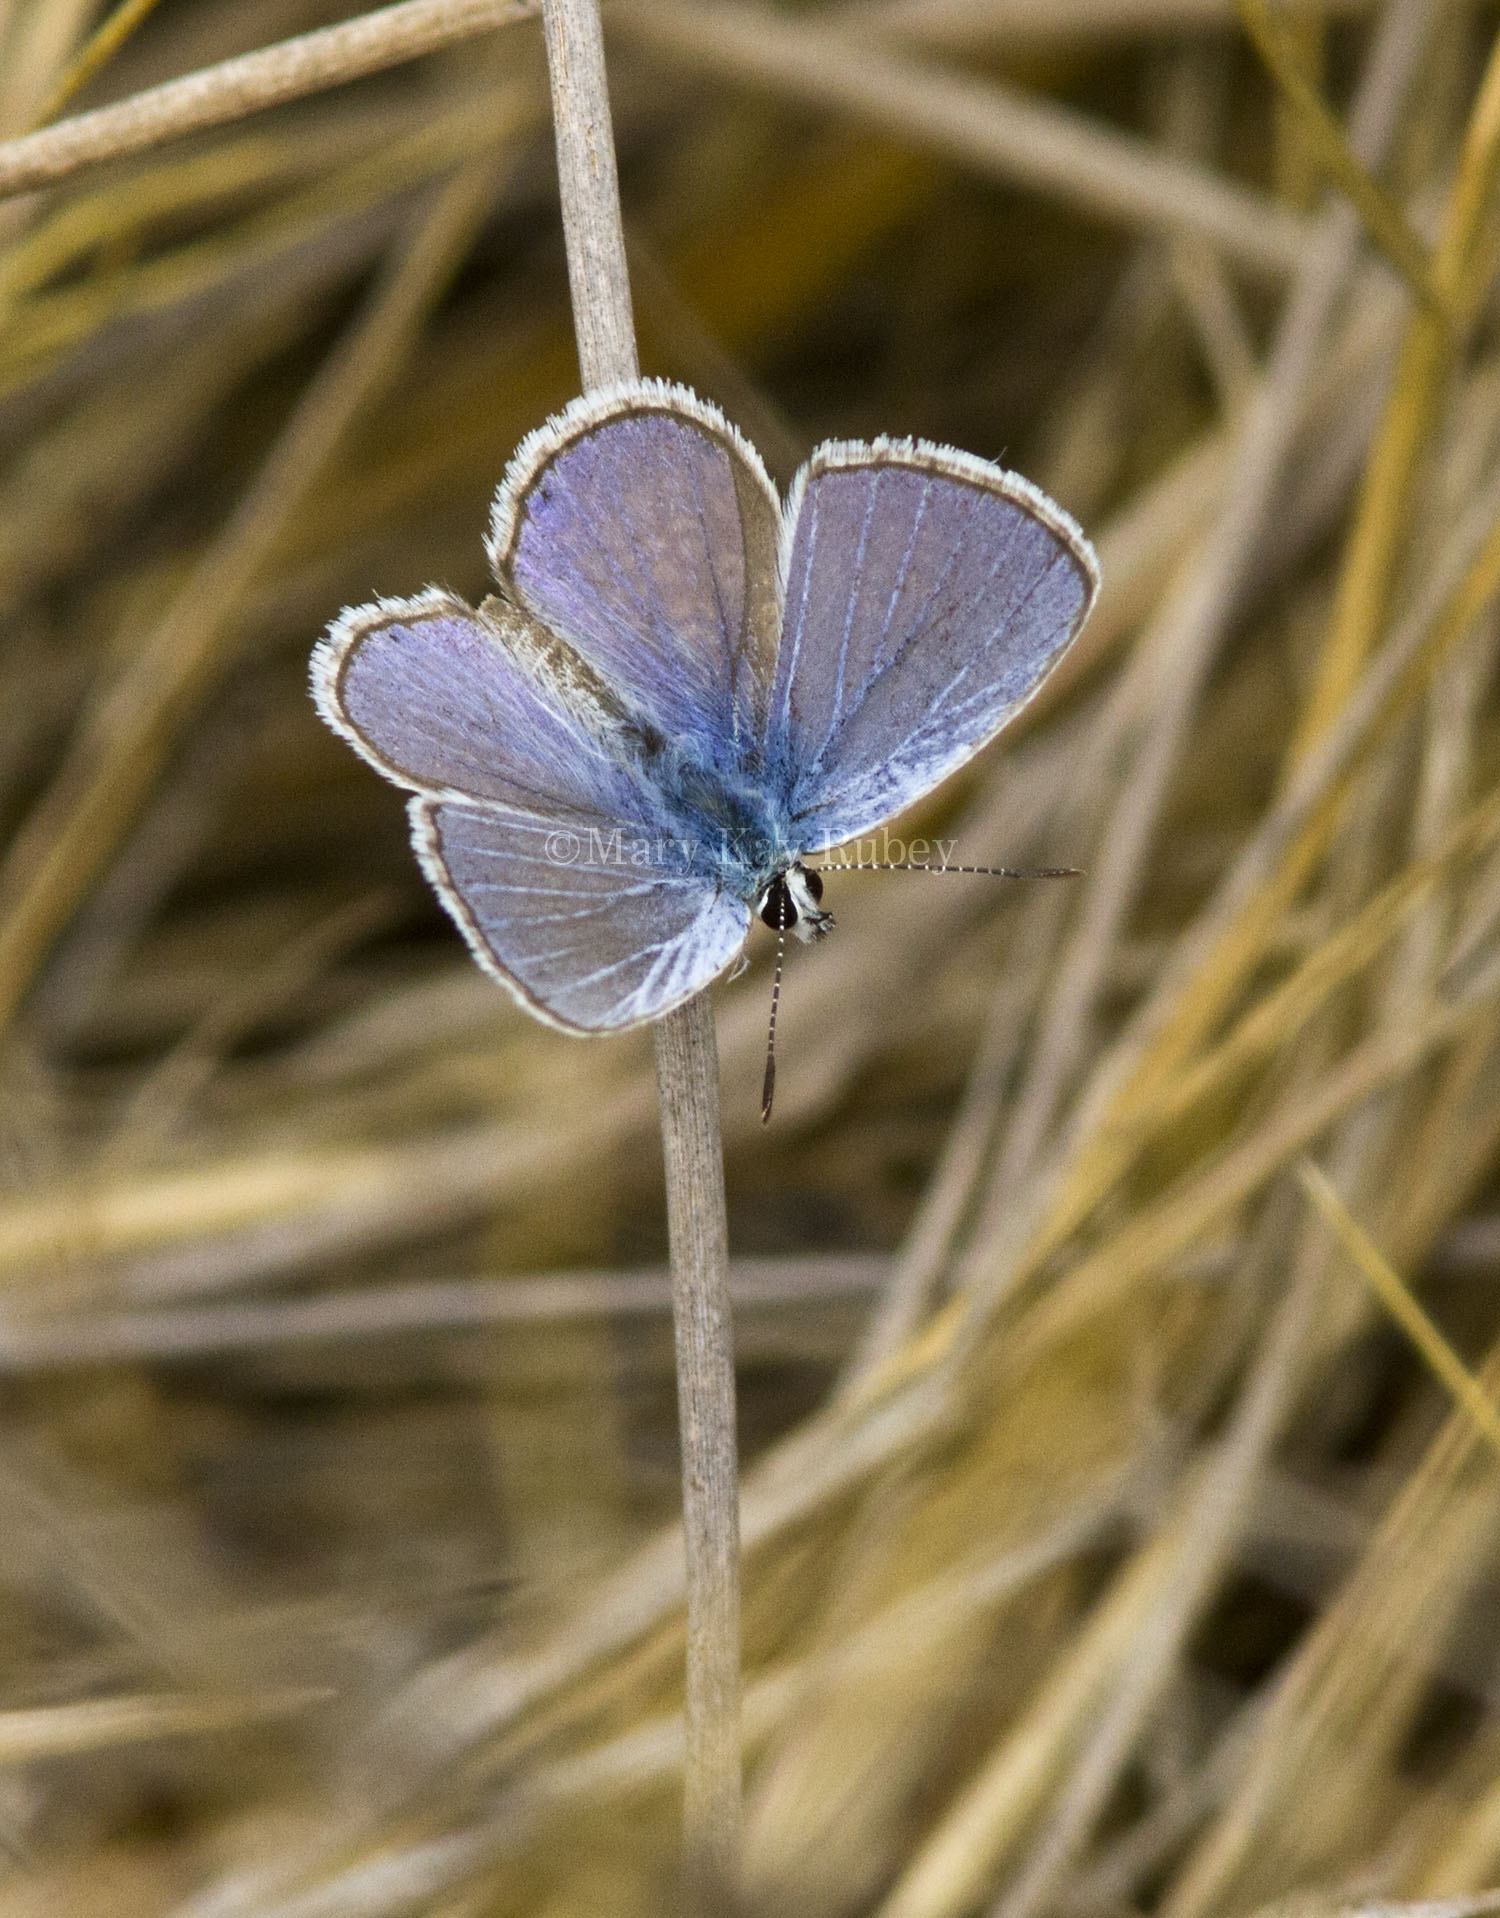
687	1071
687	1077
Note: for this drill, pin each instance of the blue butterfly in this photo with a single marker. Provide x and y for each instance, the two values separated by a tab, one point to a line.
684	688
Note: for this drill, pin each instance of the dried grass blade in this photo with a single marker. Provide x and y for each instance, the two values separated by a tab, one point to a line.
1386	223
978	123
249	84
1146	1243
1229	937
1276	1019
1397	1298
55	1731
1377	543
96	52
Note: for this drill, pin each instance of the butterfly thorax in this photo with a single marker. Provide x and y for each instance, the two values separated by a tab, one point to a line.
739	828
737	825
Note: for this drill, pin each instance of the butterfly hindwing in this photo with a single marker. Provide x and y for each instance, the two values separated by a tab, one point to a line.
641	528
595	926
928	595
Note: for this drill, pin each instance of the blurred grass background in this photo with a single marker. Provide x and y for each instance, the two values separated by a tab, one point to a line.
1109	1550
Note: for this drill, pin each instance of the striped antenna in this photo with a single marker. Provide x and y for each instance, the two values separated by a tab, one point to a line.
992	872
768	1086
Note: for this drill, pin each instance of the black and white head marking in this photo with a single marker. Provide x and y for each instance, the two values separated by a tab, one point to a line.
792	901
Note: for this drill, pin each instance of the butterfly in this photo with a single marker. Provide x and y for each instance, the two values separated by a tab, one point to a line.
684	688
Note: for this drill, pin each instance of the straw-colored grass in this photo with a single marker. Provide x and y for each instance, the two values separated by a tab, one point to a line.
1115	1286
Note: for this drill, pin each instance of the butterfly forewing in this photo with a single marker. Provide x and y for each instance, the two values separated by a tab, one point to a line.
928	594
642	529
445	700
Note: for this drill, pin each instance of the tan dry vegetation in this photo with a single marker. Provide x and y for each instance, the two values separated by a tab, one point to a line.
1108	1549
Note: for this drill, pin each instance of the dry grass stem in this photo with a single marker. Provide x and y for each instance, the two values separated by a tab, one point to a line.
687	1076
1006	23
1387	223
1396	1297
979	124
249	84
392	1312
100	47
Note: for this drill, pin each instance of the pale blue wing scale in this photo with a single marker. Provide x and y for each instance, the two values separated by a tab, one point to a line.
642	529
594	928
928	595
447	701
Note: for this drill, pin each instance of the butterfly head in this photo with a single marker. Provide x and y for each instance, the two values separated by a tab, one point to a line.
792	903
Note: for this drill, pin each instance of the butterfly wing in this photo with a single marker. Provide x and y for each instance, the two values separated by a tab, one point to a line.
928	595
596	926
642	529
450	702
541	839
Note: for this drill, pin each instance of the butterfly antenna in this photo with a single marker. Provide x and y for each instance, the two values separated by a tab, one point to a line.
991	872
768	1085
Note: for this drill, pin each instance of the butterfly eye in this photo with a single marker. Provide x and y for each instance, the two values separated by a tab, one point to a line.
812	881
776	908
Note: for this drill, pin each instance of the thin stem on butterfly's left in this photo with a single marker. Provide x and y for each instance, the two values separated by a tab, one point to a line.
687	1074
249	83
